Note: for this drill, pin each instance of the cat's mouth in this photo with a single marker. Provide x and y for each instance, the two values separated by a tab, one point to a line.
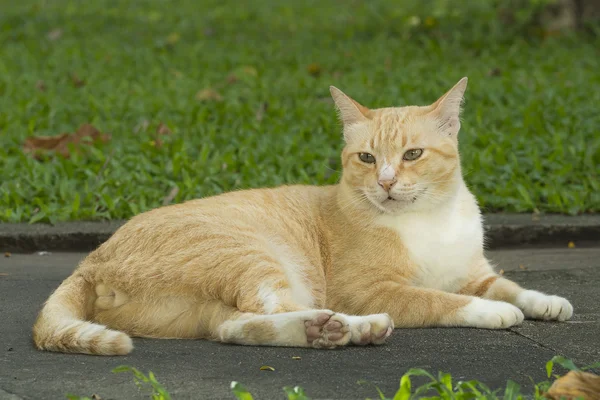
411	199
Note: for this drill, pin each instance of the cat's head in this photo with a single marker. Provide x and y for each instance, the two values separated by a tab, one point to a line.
400	159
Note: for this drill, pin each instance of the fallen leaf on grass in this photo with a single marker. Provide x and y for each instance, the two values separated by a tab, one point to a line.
571	245
54	34
208	94
163	129
169	198
314	69
575	385
77	81
40	85
7	254
267	368
494	72
59	144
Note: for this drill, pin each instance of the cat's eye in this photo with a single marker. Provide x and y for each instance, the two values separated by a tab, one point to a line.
413	154
366	158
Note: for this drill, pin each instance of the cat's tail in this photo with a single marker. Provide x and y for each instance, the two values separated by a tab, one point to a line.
62	326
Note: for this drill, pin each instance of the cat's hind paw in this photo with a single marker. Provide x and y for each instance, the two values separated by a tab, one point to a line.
370	329
327	330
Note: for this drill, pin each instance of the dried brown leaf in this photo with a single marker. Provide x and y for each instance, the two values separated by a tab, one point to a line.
208	95
267	368
575	384
7	254
521	266
571	245
232	78
169	198
40	85
163	129
54	34
59	144
77	81
494	72
314	69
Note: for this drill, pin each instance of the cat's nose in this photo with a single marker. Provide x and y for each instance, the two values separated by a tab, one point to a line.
387	184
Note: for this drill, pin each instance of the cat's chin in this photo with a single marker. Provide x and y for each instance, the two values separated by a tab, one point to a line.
393	205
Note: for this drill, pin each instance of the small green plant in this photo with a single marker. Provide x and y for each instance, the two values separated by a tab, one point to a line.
440	388
293	393
141	380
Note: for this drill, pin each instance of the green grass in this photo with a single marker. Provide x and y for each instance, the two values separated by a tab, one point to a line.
530	139
440	388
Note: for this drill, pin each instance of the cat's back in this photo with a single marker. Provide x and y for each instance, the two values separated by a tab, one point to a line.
293	201
287	211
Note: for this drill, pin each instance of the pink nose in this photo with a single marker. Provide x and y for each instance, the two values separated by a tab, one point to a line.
387	184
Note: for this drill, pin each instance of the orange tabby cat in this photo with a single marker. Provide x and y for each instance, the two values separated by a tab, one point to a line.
399	241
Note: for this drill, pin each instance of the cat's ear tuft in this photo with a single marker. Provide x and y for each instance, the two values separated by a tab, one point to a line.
448	107
350	111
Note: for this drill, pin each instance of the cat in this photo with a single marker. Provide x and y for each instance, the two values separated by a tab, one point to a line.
398	242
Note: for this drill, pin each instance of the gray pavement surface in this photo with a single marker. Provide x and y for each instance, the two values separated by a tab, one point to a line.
196	369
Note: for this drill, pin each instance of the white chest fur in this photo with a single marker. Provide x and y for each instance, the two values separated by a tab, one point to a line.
443	243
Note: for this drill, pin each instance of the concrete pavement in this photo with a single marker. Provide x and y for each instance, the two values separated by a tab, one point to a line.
203	370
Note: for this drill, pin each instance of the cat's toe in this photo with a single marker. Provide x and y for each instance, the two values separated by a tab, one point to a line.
327	330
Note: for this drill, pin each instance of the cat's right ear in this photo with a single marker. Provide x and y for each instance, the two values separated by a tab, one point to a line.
350	110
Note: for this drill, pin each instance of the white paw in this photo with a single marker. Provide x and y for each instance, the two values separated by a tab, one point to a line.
538	305
370	329
489	314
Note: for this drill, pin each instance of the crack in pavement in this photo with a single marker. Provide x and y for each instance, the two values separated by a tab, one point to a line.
4	395
542	345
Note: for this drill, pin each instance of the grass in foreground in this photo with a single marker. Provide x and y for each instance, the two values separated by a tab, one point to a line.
243	87
440	388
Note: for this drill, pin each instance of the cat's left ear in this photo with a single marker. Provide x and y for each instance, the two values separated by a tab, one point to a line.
447	108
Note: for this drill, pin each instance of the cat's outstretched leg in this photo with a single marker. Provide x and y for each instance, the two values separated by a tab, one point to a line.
534	304
178	317
413	307
309	328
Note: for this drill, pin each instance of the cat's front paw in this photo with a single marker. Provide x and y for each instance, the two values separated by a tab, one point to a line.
538	305
489	314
